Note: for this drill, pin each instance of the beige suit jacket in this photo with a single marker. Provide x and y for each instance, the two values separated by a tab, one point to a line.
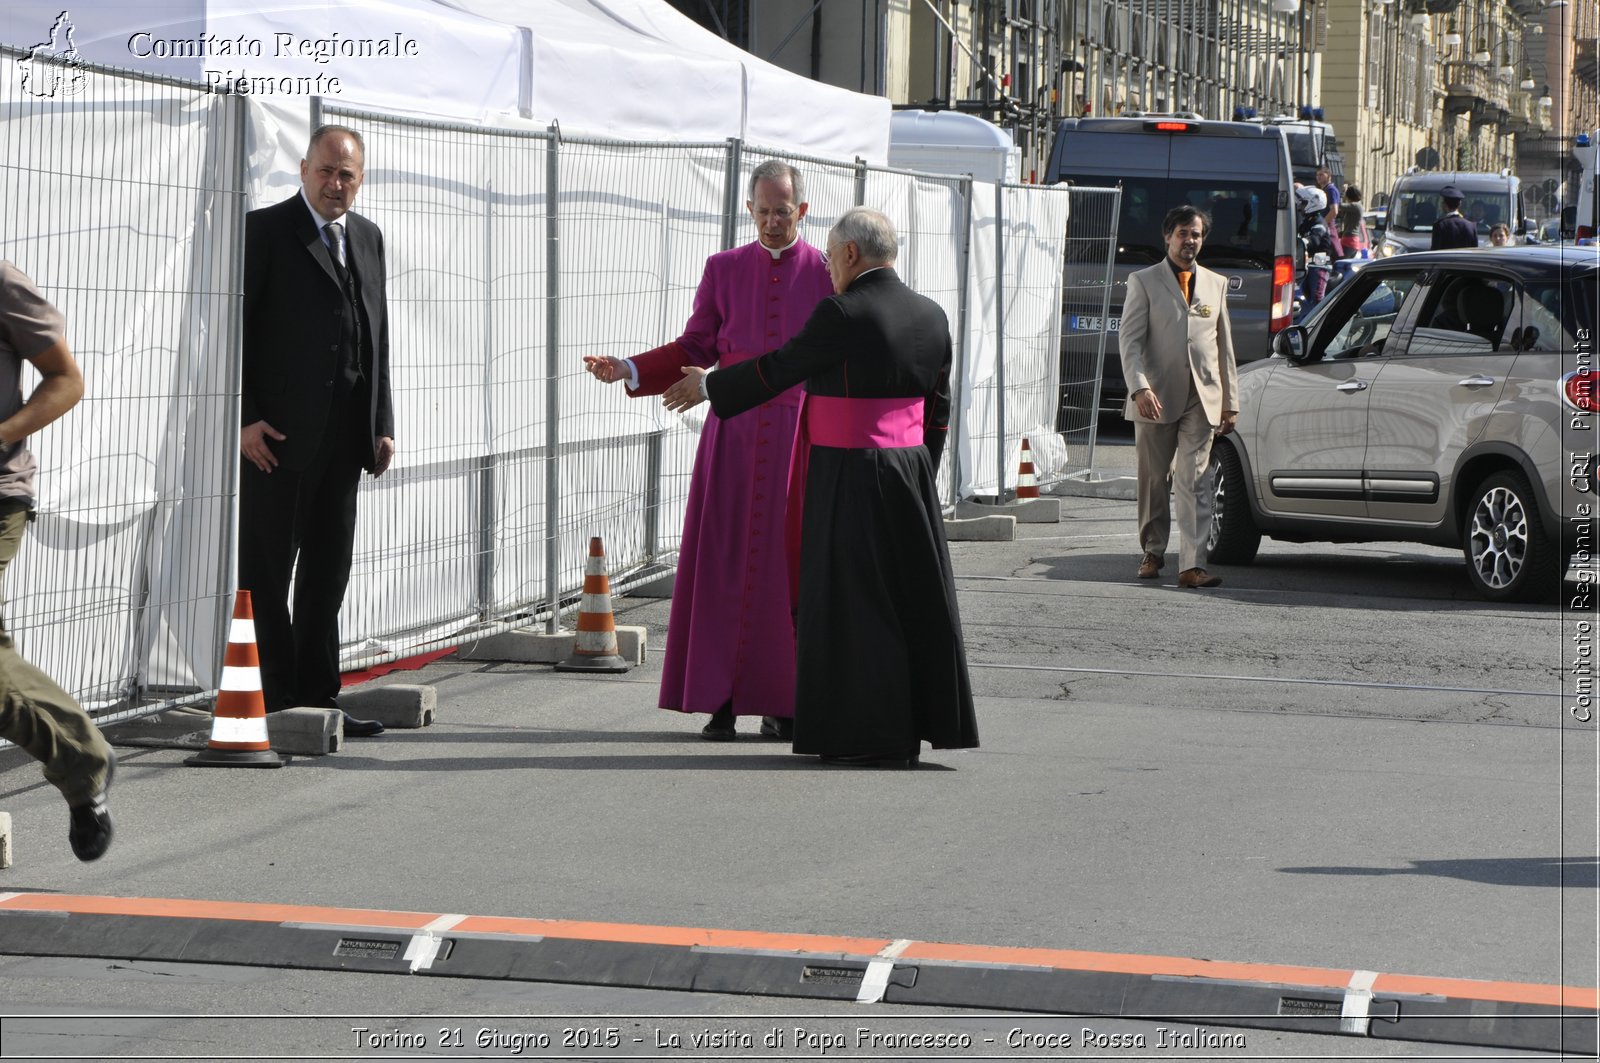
1165	343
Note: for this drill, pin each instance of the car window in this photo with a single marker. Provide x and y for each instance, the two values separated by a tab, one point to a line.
1369	313
1464	313
1412	212
1541	318
1243	219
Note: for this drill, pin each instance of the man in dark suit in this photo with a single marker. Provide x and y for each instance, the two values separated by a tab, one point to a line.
880	662
316	411
1453	230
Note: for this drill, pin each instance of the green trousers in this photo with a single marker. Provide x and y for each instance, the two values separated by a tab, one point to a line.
35	713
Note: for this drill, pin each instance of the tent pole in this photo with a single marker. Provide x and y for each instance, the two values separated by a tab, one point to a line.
552	406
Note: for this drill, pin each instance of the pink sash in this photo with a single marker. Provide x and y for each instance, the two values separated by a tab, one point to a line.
857	424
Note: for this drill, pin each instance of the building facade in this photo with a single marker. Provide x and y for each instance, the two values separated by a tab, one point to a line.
1435	84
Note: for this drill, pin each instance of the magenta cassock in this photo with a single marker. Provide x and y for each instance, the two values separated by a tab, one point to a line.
730	634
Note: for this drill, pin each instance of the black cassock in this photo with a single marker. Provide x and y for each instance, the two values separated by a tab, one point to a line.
880	662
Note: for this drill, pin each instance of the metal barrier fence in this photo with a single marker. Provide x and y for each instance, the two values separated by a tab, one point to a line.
511	253
121	587
1091	245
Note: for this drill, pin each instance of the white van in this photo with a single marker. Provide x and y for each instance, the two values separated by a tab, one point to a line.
1414	206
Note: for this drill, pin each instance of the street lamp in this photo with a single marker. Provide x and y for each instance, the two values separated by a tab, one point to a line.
1544	98
1451	37
1286	7
1481	56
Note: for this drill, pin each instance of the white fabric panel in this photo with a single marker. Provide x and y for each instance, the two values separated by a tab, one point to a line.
463	66
838	124
1035	229
628	68
118	576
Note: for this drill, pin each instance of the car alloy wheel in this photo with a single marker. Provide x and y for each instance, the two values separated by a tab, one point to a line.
1509	557
1234	537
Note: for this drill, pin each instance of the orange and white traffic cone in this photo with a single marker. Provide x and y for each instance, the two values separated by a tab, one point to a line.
1027	486
239	721
595	649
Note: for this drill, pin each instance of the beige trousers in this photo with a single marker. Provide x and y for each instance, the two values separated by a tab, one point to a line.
1180	451
41	718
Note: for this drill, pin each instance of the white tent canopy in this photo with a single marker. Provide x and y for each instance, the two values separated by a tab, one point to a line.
625	68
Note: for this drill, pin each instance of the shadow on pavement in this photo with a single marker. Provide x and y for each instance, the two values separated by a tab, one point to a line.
1577	872
347	760
1397	583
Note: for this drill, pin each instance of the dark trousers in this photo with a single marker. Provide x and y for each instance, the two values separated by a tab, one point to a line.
302	523
38	715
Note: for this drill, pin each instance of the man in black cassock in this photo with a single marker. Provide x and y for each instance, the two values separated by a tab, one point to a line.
880	663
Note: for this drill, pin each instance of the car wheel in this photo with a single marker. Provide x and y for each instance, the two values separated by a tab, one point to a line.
1509	555
1234	536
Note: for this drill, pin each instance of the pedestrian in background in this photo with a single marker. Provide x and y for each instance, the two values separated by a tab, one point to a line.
1352	227
316	411
882	667
730	634
36	714
1330	211
1453	229
1183	389
1320	249
1499	235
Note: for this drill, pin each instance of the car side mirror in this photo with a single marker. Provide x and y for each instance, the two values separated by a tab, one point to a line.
1291	344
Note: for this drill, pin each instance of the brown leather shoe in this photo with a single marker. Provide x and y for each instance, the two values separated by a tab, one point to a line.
1198	577
1150	566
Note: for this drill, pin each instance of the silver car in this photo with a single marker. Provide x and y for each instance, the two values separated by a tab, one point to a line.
1441	397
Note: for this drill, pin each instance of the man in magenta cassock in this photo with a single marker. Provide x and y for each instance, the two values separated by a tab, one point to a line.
730	638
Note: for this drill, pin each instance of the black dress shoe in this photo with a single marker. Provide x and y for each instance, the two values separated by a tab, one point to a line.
889	761
720	729
779	727
354	728
90	832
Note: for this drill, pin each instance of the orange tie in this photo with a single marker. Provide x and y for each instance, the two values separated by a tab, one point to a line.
1183	283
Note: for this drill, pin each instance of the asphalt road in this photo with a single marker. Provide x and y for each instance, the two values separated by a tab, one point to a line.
1337	759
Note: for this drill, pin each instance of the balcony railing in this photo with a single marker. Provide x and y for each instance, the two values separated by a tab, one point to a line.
1470	86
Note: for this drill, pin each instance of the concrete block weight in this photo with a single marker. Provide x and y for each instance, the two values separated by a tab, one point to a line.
538	647
401	705
306	731
990	529
1025	510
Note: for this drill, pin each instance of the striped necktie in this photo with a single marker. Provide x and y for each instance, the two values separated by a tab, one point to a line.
335	233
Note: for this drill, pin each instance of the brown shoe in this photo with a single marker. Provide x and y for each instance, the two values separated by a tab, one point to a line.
1150	567
1198	577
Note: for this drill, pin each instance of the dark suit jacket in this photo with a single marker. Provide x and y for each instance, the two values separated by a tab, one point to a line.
292	303
878	340
1453	230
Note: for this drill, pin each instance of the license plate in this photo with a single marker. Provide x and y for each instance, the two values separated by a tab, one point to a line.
1084	323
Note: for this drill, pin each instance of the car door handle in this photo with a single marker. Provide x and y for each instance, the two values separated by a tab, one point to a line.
1479	381
1353	385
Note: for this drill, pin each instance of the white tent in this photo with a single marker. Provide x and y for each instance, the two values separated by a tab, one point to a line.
625	68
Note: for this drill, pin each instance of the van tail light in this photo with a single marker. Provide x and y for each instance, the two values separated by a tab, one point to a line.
1579	387
1282	294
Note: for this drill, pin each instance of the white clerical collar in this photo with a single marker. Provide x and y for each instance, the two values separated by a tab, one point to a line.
779	252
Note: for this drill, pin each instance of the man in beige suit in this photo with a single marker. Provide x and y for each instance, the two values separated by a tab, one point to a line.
1183	389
